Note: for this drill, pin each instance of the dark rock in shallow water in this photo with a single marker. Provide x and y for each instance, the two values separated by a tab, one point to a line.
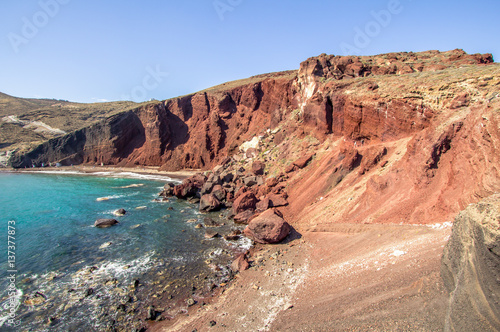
103	223
120	212
209	222
210	234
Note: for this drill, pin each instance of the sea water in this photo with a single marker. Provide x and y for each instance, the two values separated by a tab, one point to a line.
70	275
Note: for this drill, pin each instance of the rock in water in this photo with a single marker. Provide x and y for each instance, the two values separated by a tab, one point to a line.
120	212
471	268
103	223
267	228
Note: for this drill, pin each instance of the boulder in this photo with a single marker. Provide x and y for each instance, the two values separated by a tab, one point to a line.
264	204
168	190
240	263
120	212
104	223
209	222
233	236
267	228
250	181
277	200
209	203
190	186
302	162
243	217
291	168
246	201
219	192
258	167
210	234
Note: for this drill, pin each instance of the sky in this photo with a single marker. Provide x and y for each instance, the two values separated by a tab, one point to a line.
107	50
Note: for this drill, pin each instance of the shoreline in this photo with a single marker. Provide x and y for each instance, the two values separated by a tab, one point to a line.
328	281
115	170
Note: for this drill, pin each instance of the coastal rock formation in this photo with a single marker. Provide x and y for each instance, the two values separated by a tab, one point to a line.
397	138
267	228
104	223
471	268
209	202
199	131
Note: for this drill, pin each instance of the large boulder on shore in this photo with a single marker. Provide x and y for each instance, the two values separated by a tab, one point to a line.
246	201
209	203
190	187
104	223
471	268
267	228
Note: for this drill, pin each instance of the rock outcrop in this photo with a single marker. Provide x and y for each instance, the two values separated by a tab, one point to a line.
105	223
471	268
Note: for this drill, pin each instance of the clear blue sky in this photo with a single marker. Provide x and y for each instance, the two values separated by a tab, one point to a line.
88	50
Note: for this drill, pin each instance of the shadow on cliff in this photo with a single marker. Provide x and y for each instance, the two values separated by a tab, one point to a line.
179	131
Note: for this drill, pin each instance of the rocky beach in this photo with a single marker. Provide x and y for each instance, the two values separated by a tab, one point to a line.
368	186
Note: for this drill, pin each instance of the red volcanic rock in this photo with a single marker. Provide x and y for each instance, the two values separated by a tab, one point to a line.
342	67
277	200
258	167
243	217
272	182
302	162
190	186
247	201
240	192
240	263
267	228
219	192
264	204
209	203
291	168
460	101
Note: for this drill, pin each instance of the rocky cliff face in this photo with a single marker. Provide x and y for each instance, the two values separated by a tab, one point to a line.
196	131
471	268
200	130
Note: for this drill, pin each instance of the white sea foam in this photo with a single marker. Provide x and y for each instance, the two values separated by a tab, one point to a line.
128	175
5	306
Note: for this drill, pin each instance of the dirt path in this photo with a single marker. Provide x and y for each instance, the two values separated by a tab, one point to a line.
340	278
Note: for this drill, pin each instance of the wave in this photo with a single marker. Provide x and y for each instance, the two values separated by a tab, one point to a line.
127	175
5	307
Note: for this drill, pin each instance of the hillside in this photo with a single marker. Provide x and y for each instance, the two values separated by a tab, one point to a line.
25	123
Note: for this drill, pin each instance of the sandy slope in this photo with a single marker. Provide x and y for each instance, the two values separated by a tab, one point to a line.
346	278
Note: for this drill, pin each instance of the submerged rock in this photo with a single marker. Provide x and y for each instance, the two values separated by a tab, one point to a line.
104	223
120	212
210	234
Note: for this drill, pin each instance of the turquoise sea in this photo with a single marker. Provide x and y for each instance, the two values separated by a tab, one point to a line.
71	276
